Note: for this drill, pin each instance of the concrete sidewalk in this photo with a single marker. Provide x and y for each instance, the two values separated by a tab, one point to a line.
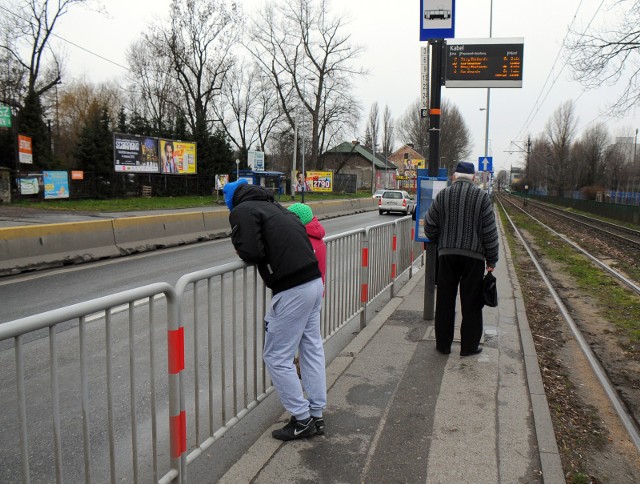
401	412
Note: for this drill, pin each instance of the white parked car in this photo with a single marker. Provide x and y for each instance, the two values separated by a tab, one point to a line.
395	201
378	193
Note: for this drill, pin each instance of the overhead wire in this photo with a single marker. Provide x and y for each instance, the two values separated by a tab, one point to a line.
66	40
534	111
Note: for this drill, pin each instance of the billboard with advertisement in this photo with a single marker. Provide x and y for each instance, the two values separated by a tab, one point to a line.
320	181
135	154
29	186
56	184
178	157
25	150
221	181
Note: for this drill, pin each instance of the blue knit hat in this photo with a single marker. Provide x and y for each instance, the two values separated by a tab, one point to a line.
466	167
229	189
303	212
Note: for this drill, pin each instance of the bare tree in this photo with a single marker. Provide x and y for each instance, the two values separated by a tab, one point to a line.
199	40
339	116
13	77
538	162
78	101
308	54
27	27
387	132
560	132
502	180
590	152
154	84
607	54
373	126
616	160
455	139
414	129
249	110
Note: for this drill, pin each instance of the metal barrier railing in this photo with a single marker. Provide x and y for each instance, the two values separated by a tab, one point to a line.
103	346
229	380
214	323
360	266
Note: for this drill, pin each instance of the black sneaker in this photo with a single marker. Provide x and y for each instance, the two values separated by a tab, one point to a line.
295	429
319	423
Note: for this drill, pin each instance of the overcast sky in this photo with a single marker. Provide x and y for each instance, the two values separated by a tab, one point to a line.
390	31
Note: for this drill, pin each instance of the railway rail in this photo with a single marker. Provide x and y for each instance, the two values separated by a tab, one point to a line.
610	270
625	235
626	418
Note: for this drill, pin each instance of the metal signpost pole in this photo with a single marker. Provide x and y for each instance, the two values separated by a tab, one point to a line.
437	47
295	153
486	129
304	174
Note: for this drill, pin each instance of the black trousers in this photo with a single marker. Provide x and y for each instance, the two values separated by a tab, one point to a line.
454	270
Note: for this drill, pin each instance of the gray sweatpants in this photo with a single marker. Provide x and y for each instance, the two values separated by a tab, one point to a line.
293	323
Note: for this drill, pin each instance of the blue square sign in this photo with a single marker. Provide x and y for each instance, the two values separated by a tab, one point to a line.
485	163
437	19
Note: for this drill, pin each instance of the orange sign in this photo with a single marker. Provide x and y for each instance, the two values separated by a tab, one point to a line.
25	152
77	175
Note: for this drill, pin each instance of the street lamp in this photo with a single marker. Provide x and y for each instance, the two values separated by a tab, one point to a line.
486	129
486	126
237	169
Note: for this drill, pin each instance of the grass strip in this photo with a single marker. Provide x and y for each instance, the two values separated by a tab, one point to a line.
617	304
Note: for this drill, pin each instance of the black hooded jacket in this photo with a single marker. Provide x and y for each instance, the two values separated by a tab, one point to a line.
265	233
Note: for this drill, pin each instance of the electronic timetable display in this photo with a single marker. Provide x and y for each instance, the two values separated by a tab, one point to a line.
484	63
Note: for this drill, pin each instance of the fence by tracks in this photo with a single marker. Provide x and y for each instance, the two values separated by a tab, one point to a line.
88	394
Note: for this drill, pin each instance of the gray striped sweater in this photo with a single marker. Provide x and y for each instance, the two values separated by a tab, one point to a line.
461	220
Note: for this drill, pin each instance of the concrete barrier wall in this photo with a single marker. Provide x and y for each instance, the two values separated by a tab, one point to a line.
216	224
42	246
140	234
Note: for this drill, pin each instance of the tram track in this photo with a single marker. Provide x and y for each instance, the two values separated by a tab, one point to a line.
635	287
620	403
620	233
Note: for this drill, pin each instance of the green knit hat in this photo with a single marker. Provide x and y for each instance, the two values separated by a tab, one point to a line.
303	212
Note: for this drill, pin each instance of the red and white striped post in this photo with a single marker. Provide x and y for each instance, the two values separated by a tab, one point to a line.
177	412
364	278
394	259
411	244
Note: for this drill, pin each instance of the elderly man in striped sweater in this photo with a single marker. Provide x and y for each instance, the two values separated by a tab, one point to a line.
462	222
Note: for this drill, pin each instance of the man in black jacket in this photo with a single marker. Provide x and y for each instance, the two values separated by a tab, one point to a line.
461	221
265	233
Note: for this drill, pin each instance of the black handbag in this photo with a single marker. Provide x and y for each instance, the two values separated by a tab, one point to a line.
489	290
